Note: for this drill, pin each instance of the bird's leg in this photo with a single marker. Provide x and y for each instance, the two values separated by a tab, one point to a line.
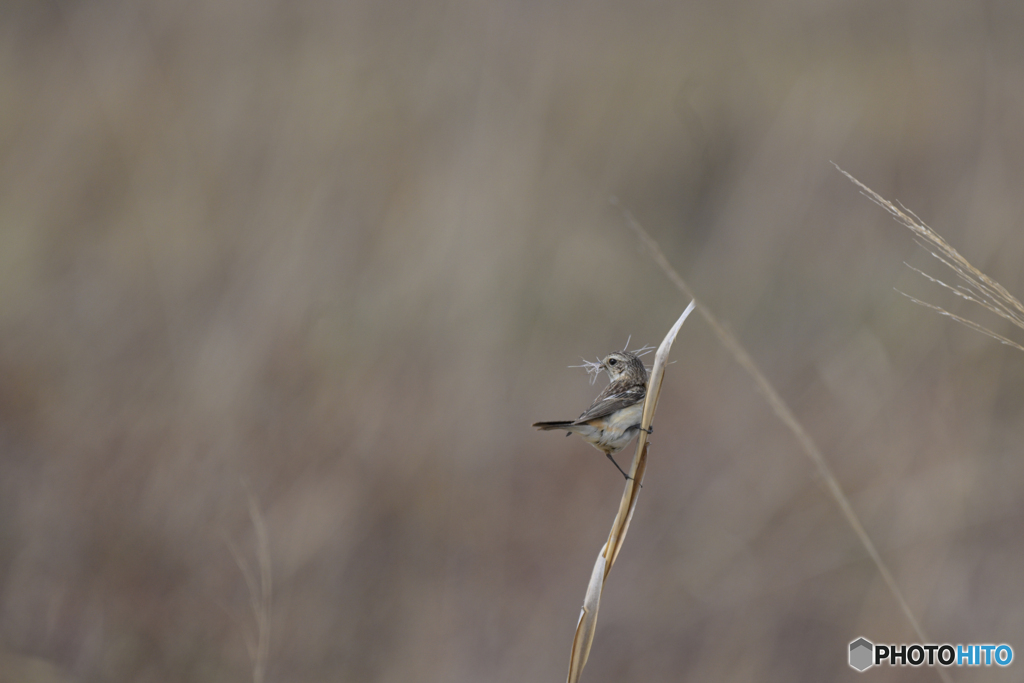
649	430
617	466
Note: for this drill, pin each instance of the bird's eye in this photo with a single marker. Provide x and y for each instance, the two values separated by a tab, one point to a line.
612	361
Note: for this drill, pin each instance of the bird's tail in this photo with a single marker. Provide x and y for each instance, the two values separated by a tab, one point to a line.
552	425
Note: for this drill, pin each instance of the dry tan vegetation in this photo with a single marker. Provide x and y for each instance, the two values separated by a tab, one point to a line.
583	639
346	250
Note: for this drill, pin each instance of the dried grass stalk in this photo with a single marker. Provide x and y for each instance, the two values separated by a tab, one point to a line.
976	287
788	418
587	624
260	588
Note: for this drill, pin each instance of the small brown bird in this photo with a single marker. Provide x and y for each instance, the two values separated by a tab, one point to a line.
613	419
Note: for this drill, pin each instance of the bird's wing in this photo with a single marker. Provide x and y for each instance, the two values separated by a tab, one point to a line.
614	397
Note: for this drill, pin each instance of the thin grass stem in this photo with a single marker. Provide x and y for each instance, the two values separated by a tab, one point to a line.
783	412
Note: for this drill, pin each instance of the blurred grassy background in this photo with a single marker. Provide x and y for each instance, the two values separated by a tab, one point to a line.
347	250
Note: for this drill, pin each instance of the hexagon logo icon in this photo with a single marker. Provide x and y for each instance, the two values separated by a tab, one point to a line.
862	654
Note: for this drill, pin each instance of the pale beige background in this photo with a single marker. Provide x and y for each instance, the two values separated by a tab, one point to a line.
347	250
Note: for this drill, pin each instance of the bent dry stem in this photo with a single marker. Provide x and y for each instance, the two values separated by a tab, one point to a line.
585	627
